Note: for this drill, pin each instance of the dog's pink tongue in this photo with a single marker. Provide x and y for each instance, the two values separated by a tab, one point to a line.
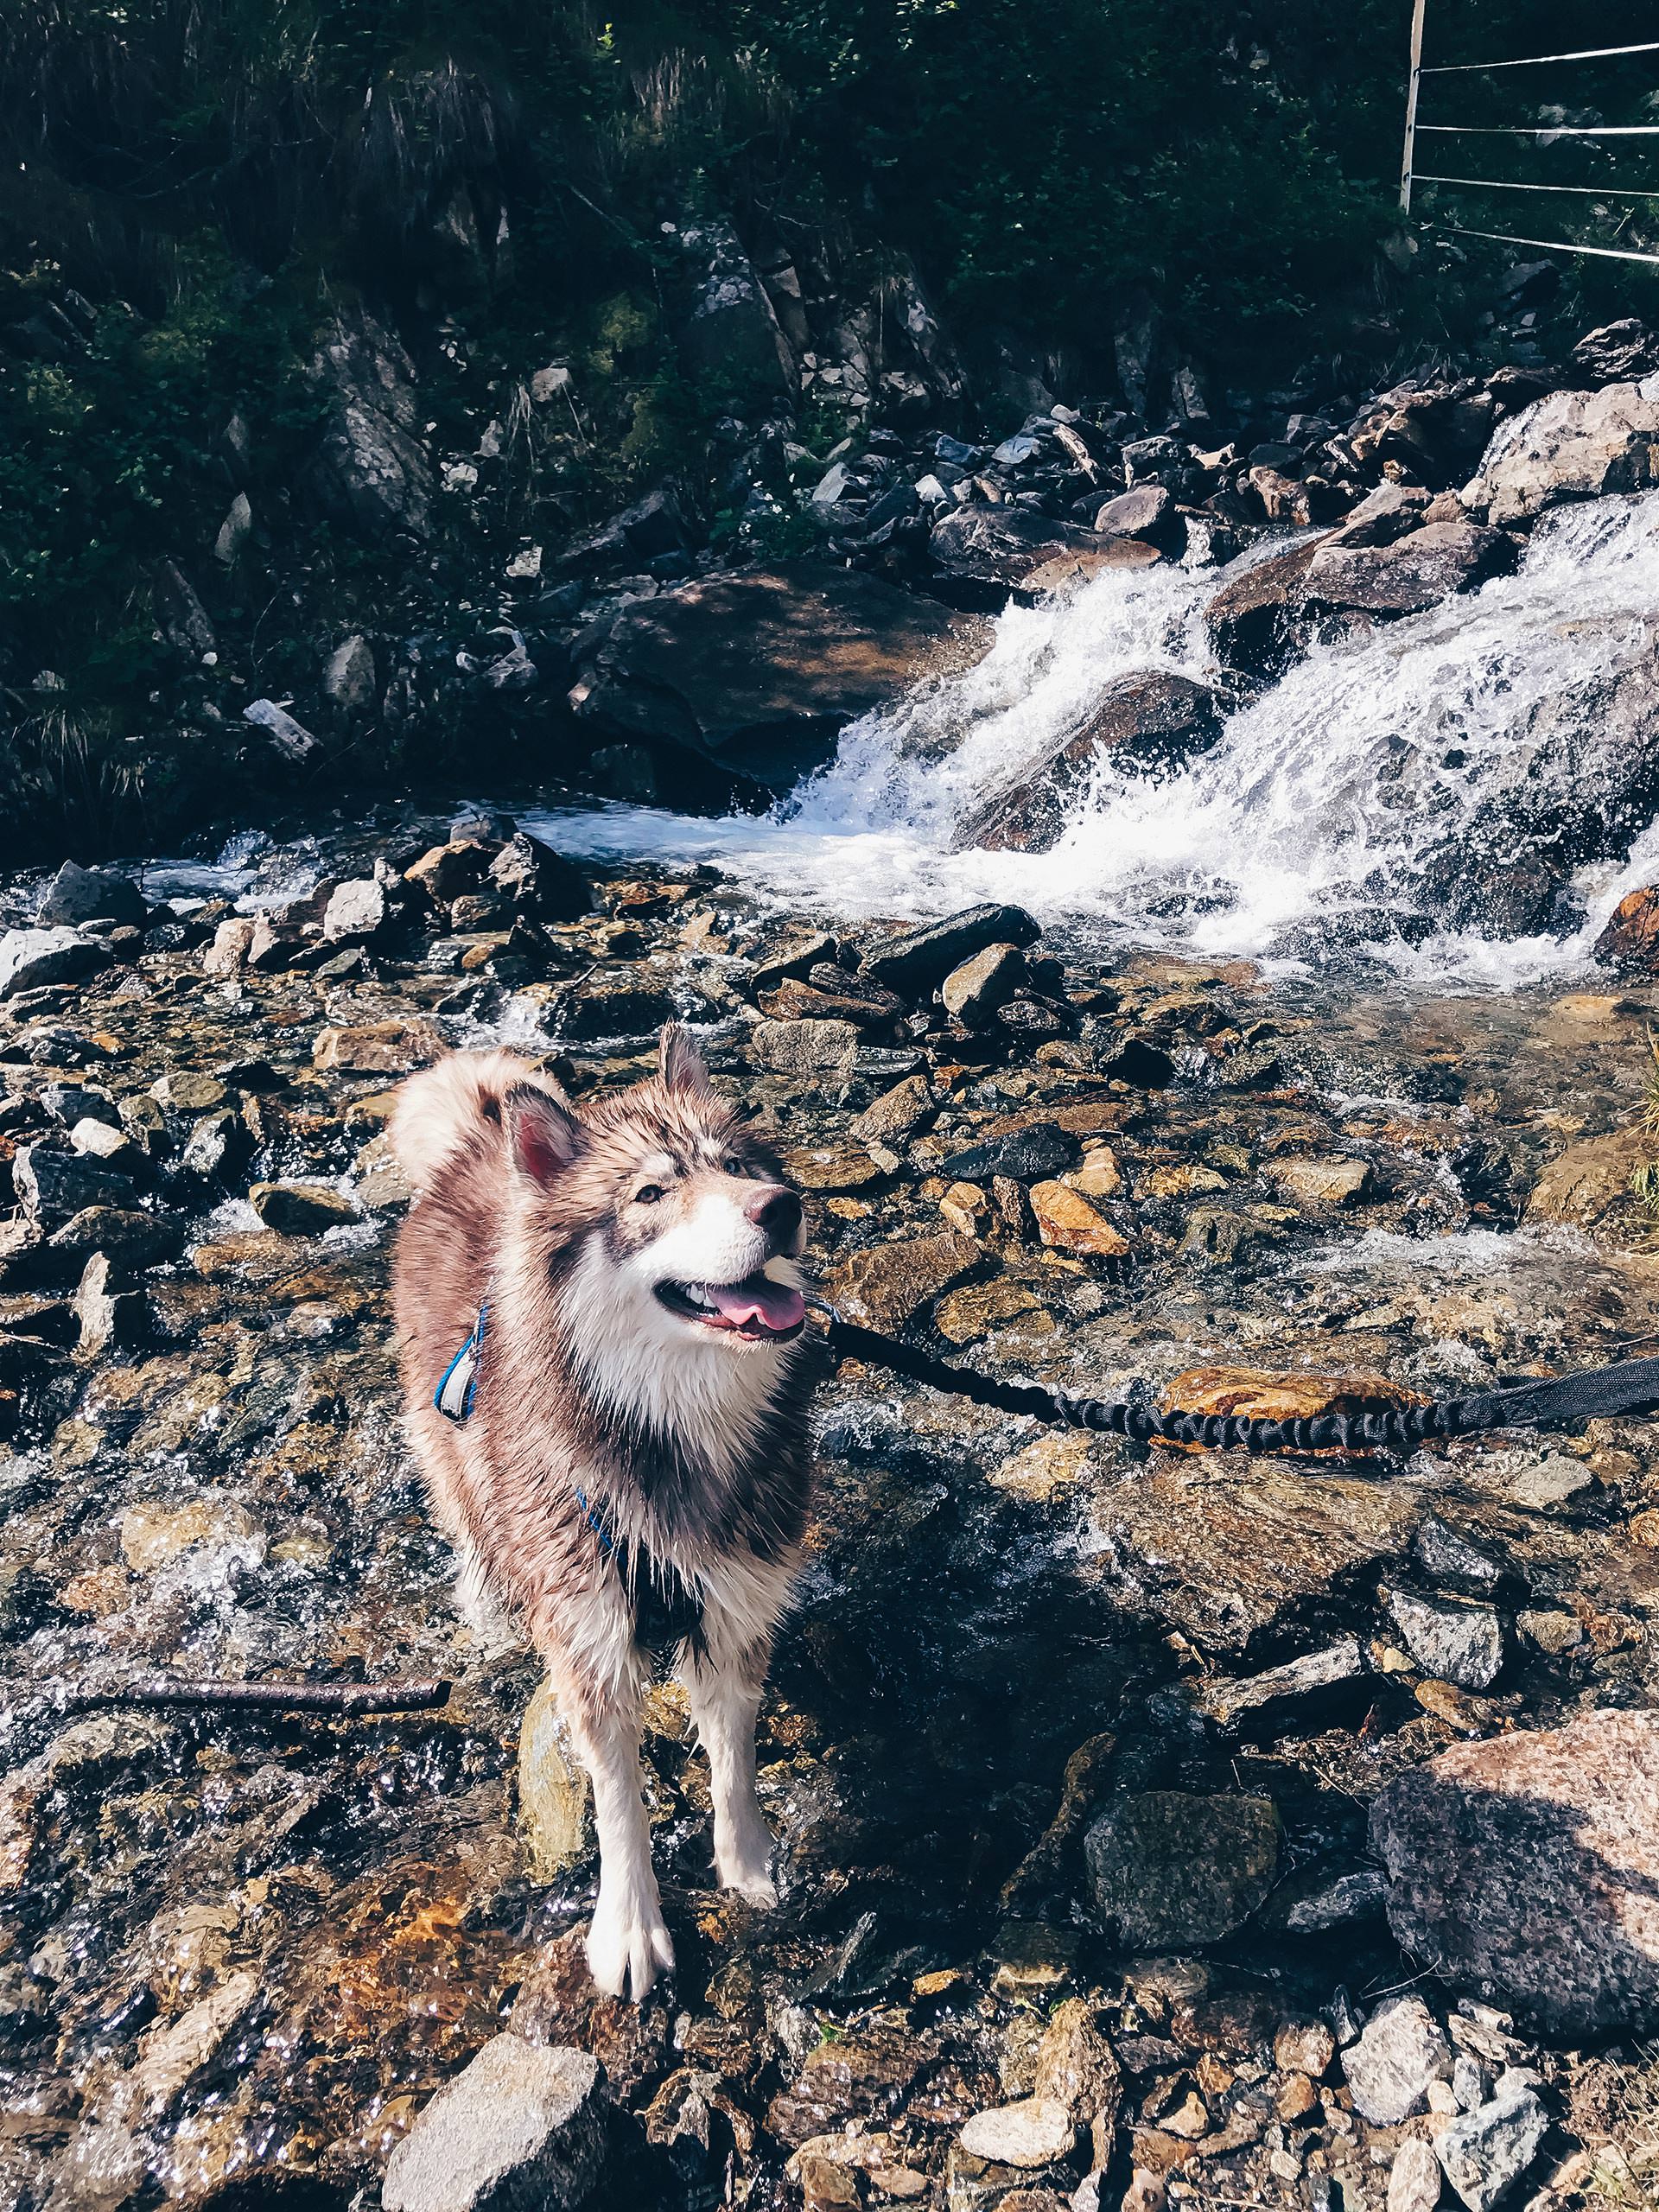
773	1304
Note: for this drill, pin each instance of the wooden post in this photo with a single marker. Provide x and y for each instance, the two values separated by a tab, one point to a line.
1411	103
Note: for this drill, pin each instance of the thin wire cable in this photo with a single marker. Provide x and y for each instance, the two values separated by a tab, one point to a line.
1531	61
1550	245
1504	184
1547	130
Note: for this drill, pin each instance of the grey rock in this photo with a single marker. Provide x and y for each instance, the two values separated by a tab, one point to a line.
185	621
369	470
1399	2053
834	486
220	1146
69	1104
1455	1643
1415	2177
356	911
1450	1556
519	2129
652	527
301	1209
1414	572
1550	1482
1472	2083
972	993
110	1318
1147	512
29	959
78	895
1172	1870
1382	516
234	531
1618	352
1153	460
349	678
131	1237
539	881
290	738
1571	445
1487	2152
804	1047
732	329
54	1185
1527	1870
1338	1903
1036	2132
760	672
915	962
983	556
1274	1694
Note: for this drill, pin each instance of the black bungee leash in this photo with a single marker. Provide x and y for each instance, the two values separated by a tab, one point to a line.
1629	1386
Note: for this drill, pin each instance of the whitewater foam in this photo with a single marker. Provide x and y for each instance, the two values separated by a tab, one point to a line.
1309	823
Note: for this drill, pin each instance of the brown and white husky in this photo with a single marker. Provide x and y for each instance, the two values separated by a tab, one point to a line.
619	1455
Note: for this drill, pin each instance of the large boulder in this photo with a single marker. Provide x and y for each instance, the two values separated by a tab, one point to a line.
983	556
731	330
1148	725
1526	1868
759	673
77	895
1257	622
916	961
1416	571
369	471
29	959
1572	445
1617	352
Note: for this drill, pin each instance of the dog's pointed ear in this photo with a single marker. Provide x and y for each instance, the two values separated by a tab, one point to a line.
543	1133
679	1063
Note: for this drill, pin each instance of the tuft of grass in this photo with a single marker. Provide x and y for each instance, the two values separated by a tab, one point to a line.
1625	2169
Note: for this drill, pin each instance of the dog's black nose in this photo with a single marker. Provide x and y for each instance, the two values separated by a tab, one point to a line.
775	1209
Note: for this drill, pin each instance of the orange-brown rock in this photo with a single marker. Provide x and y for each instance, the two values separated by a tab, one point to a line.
1631	939
1067	1220
1259	1393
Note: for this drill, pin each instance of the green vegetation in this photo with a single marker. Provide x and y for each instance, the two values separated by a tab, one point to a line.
198	186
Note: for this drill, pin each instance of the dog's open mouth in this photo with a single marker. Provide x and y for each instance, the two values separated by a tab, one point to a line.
756	1307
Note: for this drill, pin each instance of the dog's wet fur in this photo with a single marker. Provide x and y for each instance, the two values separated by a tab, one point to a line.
637	1439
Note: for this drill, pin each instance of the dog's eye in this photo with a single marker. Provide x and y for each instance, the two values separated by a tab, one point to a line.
648	1194
737	1167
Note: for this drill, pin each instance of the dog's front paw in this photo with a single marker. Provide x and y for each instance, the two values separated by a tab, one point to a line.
746	1866
627	1945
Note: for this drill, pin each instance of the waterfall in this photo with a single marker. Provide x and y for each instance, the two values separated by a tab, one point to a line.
1349	809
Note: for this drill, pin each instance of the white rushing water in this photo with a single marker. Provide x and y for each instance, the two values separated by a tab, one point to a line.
1311	817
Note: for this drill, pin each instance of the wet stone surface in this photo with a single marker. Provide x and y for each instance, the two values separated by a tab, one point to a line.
239	1954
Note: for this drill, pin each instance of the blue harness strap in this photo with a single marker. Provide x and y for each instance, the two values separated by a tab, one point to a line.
667	1611
595	1522
458	1387
458	1384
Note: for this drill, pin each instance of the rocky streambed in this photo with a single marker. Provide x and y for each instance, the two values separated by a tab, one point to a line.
1154	1826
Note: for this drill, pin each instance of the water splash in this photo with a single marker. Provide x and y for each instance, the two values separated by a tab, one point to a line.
1310	823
